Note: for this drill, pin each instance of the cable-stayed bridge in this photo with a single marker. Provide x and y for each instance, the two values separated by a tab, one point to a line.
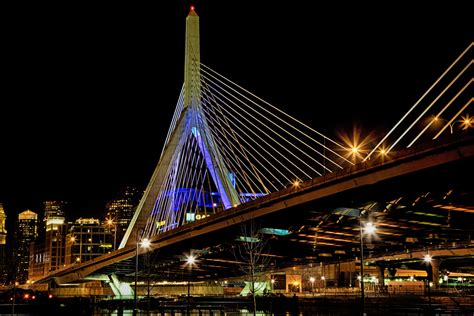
230	158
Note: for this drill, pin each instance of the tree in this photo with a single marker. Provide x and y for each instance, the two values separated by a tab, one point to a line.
250	251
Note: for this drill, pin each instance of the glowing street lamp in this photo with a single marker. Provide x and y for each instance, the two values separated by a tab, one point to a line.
145	244
467	122
190	262
110	222
296	183
141	244
73	240
368	229
451	125
427	259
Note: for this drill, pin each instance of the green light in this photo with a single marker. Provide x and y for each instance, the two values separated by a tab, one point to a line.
274	231
248	239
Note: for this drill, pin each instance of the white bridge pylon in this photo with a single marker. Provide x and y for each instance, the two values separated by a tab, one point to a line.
225	146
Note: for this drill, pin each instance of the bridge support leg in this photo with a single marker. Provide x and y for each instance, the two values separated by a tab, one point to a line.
392	271
381	274
435	263
120	289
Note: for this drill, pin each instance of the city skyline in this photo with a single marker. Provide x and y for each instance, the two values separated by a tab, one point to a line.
91	148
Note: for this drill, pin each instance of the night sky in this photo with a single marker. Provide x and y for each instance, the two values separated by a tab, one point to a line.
88	92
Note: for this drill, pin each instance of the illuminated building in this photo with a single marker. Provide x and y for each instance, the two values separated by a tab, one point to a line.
48	252
56	231
3	247
53	212
26	233
87	239
121	211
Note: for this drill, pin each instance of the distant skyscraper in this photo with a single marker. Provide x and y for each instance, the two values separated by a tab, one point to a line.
48	252
87	239
120	212
53	211
3	247
26	232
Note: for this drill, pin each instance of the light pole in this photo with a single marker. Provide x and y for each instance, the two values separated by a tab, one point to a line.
110	222
135	309
362	294
451	124
190	262
144	244
427	259
14	295
272	281
369	229
312	279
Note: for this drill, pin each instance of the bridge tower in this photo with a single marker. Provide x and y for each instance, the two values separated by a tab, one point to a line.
190	121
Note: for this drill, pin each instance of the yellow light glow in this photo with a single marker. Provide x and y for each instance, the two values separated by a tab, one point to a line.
356	146
467	122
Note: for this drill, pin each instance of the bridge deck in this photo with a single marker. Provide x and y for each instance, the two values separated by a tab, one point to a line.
423	199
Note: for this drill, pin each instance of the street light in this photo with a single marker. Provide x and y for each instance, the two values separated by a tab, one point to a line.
369	229
296	183
451	125
467	121
427	259
110	222
73	240
190	262
272	281
145	243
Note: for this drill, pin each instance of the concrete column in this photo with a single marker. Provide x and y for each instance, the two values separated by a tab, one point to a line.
392	272
381	275
435	263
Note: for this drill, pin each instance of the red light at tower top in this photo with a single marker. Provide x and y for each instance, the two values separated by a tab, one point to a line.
192	8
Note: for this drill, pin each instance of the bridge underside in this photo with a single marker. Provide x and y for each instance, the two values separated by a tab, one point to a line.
417	214
426	211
